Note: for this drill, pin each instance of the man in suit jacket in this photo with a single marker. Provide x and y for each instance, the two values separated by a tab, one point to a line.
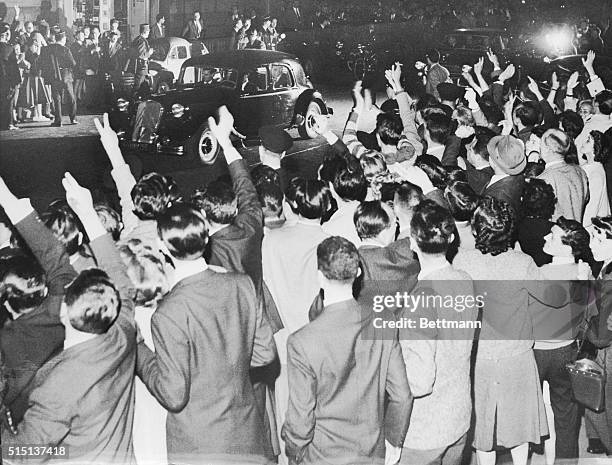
294	18
33	332
436	74
158	30
83	397
478	170
9	78
507	158
194	29
141	52
58	66
340	381
208	332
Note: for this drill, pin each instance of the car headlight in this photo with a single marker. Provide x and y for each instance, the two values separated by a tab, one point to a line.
178	110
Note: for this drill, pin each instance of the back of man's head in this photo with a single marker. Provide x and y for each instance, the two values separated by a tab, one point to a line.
338	260
482	137
389	128
433	54
23	283
92	302
407	197
182	228
603	101
555	142
528	113
271	199
432	228
152	194
438	126
218	200
65	225
462	200
571	123
347	177
372	218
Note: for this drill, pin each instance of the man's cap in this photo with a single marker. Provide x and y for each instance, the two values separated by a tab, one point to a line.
390	106
275	139
508	153
450	91
145	27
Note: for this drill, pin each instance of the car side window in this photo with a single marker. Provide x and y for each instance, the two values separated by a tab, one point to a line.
181	52
255	81
281	76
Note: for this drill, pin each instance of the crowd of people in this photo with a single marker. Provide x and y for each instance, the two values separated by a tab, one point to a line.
234	324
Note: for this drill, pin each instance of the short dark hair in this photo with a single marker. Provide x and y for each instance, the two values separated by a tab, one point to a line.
310	198
482	135
493	226
159	16
218	200
271	199
348	179
111	220
114	20
491	111
604	102
29	287
183	229
432	227
577	238
571	123
534	168
65	225
438	126
96	301
602	146
538	199
371	219
389	127
528	113
433	54
152	194
455	174
433	169
462	200
59	36
407	196
338	259
264	174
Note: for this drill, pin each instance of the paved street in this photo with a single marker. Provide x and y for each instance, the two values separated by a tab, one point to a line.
34	158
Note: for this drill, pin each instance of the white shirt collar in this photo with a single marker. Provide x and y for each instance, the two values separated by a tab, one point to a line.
554	163
74	337
497	177
427	270
185	269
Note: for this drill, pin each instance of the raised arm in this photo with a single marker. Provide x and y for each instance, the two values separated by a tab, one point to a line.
124	180
355	147
102	246
49	252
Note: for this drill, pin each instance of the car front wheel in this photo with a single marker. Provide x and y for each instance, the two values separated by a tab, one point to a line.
306	129
203	146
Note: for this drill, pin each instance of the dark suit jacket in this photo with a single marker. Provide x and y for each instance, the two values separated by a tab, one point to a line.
191	33
509	189
155	33
338	382
291	20
33	338
57	63
84	396
208	332
478	179
387	269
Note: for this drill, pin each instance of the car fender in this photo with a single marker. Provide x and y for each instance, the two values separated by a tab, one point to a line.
309	95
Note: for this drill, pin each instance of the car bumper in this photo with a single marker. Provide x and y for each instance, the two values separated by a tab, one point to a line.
166	149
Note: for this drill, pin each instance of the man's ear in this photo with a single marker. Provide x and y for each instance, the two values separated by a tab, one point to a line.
322	279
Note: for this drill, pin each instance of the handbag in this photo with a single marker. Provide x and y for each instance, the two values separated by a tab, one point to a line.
588	380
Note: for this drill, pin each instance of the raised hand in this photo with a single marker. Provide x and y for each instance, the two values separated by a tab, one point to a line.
588	62
358	96
78	197
223	128
554	81
507	73
109	140
321	124
572	81
533	86
478	66
493	58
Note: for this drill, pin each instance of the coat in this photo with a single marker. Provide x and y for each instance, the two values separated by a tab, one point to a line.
57	63
190	31
508	189
84	397
339	385
34	338
208	332
156	33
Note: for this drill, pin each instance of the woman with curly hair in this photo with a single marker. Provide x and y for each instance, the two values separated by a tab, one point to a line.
593	156
508	404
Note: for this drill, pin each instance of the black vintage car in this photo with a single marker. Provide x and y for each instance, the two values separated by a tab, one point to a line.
259	87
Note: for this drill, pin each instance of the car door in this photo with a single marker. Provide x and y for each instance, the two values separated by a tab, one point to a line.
177	56
256	100
285	93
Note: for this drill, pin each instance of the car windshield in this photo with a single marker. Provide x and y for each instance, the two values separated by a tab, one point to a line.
203	75
471	41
